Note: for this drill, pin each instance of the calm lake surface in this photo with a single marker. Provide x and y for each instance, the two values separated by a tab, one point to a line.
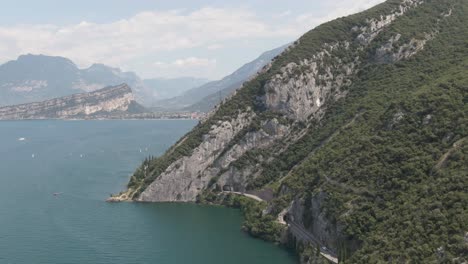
85	161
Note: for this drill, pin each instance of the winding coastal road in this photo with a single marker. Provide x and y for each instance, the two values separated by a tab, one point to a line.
299	232
246	195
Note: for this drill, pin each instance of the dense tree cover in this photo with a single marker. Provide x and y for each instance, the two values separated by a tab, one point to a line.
397	177
260	225
391	155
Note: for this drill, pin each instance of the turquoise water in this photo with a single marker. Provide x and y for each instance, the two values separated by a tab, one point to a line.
85	161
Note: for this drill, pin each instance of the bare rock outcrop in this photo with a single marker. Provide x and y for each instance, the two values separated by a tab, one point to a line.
187	177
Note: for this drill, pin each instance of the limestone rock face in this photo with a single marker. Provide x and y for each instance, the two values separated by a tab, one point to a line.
310	214
301	90
185	178
235	178
393	51
375	26
101	102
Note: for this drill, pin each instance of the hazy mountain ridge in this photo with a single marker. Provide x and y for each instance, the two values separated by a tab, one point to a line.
165	88
359	130
205	97
33	78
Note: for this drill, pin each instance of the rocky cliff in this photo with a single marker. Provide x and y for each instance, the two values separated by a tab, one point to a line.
297	91
102	103
340	128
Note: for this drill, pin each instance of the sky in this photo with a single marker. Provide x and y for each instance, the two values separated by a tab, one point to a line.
168	39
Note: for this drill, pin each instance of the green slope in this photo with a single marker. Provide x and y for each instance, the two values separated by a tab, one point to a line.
390	156
382	174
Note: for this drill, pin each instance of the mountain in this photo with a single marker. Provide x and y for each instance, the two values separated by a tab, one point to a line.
165	88
104	103
33	78
355	136
205	97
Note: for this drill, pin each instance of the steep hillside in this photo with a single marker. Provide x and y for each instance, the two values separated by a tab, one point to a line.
33	78
205	97
358	134
103	103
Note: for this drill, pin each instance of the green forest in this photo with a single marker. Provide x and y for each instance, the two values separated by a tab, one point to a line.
391	155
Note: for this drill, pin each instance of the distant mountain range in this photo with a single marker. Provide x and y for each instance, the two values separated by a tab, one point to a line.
167	88
205	97
114	101
33	78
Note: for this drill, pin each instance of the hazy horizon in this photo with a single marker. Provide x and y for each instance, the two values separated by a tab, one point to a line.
203	39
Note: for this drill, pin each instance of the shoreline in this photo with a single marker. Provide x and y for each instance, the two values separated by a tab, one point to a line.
97	119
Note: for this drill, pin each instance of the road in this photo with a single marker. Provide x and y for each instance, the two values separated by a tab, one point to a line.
299	232
247	195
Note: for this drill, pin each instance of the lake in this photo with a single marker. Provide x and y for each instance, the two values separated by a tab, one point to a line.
82	162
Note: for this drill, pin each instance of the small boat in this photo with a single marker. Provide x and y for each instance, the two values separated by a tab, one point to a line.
32	156
57	193
21	139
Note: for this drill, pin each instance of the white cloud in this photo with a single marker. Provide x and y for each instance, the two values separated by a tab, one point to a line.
186	62
194	62
149	36
214	47
283	14
138	36
191	66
